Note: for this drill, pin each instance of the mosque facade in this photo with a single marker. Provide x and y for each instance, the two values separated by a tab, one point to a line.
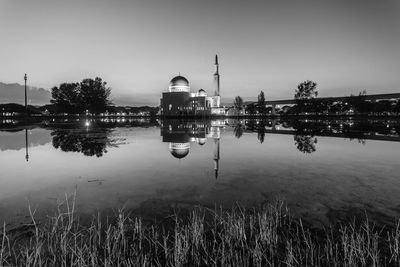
181	101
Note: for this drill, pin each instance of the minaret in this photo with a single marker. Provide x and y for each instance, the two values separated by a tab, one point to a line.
216	157
216	77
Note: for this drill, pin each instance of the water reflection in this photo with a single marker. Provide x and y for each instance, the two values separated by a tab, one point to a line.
265	163
80	141
89	137
305	143
93	137
259	127
238	130
180	134
15	138
26	146
86	138
304	131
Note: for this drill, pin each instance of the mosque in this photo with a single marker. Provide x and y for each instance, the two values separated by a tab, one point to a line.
180	136
180	101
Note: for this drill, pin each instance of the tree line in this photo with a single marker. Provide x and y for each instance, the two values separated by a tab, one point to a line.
307	102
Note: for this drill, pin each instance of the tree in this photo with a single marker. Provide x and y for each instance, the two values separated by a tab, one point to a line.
304	95
397	107
306	90
261	102
66	97
91	95
359	103
95	95
238	104
251	109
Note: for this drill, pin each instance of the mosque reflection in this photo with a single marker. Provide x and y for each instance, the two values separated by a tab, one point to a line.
180	135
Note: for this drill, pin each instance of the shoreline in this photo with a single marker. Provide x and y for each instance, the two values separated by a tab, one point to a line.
362	116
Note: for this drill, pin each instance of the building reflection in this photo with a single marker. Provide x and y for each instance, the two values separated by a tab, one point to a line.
180	135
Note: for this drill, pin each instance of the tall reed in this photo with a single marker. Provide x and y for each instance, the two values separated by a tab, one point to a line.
235	237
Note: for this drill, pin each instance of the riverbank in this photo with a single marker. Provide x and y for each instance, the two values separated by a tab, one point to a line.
268	236
38	118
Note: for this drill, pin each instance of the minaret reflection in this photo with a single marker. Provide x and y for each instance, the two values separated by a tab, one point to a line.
179	135
26	146
216	157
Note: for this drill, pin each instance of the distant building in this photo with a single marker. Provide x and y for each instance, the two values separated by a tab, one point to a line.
180	101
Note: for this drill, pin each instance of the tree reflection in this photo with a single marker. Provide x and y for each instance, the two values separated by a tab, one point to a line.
89	143
305	143
257	126
239	128
261	131
261	135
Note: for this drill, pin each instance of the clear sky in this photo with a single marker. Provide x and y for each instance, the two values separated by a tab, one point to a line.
137	46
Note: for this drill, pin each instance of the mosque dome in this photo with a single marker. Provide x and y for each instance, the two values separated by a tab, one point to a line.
179	150
202	141
179	84
201	92
179	80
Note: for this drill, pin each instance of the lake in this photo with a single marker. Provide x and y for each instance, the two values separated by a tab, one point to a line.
326	170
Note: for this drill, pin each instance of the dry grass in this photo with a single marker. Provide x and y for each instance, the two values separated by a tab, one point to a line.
266	237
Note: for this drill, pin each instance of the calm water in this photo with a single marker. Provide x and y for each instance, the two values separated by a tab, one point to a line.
325	170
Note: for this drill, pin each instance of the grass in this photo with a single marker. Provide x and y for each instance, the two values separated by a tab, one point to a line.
235	237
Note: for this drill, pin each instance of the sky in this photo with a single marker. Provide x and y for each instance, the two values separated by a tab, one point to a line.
137	46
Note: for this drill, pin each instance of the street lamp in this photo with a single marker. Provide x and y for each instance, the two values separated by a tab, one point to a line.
26	99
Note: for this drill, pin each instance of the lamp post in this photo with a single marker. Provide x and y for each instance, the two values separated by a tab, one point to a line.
26	99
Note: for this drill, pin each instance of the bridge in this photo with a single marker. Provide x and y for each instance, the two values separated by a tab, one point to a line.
373	98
